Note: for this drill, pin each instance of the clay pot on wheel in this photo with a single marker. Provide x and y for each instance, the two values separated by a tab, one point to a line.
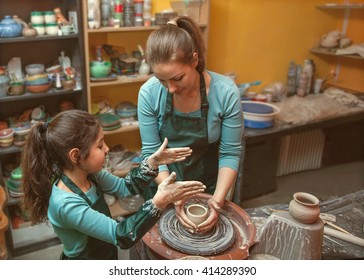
304	208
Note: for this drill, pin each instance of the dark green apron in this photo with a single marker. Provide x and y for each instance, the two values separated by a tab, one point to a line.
95	249
186	131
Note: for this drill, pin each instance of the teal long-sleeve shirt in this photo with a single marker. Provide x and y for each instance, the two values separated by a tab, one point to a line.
73	220
225	119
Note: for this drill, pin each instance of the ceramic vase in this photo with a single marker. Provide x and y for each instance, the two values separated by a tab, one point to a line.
304	208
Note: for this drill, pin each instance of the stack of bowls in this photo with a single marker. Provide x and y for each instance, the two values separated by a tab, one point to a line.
126	110
36	81
20	135
6	137
14	182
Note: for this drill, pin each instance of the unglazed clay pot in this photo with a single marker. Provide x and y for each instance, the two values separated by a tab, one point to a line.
304	208
197	213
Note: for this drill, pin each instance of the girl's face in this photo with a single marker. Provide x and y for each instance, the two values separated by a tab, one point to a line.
179	78
96	158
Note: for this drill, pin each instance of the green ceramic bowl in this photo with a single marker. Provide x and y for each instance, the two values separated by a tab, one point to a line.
100	69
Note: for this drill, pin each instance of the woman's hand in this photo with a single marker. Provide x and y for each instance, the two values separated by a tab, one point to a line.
203	227
167	156
171	192
213	216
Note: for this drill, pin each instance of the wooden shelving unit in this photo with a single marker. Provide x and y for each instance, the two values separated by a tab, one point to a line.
39	49
125	87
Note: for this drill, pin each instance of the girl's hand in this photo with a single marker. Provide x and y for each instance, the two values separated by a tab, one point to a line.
171	192
166	156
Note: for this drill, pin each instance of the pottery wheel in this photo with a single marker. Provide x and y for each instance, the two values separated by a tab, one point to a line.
213	242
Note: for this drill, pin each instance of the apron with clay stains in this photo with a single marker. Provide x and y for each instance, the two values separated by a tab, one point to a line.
186	131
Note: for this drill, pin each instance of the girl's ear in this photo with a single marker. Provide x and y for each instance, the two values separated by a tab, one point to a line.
74	155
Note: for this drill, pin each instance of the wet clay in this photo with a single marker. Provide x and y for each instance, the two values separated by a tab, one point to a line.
243	228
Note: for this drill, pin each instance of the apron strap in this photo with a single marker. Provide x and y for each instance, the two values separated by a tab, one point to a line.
73	187
204	103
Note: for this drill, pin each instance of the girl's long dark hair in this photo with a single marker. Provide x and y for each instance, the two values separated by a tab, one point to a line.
45	156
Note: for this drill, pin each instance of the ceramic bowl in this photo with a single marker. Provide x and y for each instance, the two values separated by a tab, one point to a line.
17	173
38	88
126	110
100	69
259	114
21	130
54	69
4	143
6	133
33	69
38	79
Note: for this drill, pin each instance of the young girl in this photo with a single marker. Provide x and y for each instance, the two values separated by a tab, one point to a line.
63	182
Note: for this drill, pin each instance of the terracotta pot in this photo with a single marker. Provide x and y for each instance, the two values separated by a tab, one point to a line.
304	208
68	84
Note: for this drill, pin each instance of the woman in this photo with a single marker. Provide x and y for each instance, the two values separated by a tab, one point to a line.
191	107
64	182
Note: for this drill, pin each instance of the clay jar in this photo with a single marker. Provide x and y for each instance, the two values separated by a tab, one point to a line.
197	213
304	208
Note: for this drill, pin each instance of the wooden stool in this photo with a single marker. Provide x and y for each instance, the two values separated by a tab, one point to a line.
4	223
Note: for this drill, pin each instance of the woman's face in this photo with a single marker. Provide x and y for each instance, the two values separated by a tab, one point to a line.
179	78
96	158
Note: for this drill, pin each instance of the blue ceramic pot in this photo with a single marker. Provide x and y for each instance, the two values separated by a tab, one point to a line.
10	28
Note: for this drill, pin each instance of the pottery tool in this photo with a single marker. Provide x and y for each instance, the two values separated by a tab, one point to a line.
344	236
336	227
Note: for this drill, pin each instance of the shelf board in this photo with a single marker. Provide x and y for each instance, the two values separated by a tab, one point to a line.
122	80
10	150
37	38
333	53
130	29
124	128
122	29
340	6
28	95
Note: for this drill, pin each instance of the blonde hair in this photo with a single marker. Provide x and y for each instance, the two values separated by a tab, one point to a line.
176	42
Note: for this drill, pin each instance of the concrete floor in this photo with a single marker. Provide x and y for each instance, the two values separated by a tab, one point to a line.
324	184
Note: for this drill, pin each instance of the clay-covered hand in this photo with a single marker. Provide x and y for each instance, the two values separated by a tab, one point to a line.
182	217
170	191
166	155
203	227
210	222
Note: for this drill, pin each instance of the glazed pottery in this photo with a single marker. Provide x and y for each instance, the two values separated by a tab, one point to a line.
34	69
100	69
16	88
29	32
68	84
197	213
6	133
38	88
38	113
6	142
10	27
304	208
